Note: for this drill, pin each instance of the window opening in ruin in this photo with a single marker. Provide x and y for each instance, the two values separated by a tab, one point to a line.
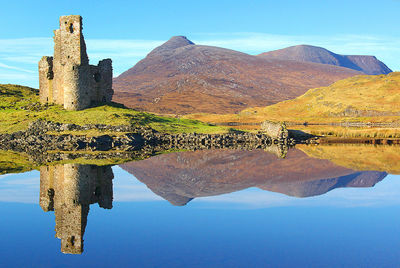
97	191
71	28
97	77
50	192
72	240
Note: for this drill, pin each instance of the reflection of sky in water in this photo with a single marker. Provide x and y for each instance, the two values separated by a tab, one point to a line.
346	227
24	188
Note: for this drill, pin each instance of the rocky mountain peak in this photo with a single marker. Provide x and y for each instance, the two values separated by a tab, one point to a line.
173	43
306	53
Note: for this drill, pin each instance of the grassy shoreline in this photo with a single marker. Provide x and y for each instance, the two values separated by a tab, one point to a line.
20	105
363	100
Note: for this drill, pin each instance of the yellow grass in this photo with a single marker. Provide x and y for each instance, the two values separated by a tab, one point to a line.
13	162
365	93
350	132
360	157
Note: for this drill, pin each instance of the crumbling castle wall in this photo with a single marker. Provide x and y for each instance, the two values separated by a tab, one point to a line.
69	190
67	78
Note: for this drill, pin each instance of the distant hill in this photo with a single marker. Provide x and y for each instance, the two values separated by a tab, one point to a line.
180	77
182	176
360	98
305	53
355	97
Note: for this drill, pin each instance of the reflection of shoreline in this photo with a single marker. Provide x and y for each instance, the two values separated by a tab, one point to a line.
179	177
363	157
69	190
15	162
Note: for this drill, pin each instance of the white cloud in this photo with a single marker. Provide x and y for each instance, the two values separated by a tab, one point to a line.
2	65
19	78
385	193
385	48
22	55
24	188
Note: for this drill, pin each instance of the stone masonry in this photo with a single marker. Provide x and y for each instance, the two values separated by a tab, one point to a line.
69	190
67	78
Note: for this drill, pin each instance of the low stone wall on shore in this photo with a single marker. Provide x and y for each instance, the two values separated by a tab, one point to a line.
36	139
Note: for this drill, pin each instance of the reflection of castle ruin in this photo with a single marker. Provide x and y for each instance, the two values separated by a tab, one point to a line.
280	150
68	190
68	79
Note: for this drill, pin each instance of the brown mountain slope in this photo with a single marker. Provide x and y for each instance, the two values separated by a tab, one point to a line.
180	177
179	78
305	53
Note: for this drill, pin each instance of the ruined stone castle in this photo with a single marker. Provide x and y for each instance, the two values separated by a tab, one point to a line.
67	78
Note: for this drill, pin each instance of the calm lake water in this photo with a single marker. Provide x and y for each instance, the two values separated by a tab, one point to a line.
327	206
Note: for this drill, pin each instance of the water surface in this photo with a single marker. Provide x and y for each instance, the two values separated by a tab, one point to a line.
216	208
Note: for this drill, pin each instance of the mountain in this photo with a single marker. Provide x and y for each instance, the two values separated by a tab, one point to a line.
179	177
305	53
180	77
373	98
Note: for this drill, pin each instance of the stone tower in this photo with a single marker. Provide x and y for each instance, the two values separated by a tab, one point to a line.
67	78
69	190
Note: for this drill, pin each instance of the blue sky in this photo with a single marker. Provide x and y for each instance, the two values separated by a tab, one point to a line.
24	188
127	30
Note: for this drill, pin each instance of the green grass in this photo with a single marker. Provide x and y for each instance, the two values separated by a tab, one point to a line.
15	162
20	105
12	162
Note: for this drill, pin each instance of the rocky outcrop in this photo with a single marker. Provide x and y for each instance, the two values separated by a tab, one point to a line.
36	138
180	77
305	53
275	129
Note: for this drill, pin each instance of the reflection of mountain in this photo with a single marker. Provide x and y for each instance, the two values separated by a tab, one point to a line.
318	187
180	177
68	190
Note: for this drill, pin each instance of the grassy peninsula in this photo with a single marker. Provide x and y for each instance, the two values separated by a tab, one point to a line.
20	105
